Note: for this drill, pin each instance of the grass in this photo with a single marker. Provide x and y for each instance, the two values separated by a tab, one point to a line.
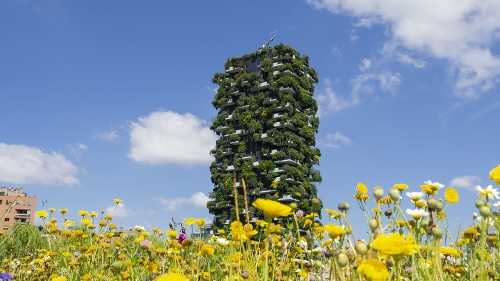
401	246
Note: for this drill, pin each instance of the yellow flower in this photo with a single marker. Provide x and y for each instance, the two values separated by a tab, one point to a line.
451	195
63	211
171	277
172	234
448	251
59	278
86	221
394	245
200	222
400	186
334	230
495	175
329	212
373	270
93	214
361	188
190	221
83	213
272	209
108	217
117	201
87	277
42	214
207	249
52	210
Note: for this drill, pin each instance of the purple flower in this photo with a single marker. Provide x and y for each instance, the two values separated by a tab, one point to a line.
6	276
299	214
181	238
145	243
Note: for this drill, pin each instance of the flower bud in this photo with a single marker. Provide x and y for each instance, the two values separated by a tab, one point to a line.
394	194
479	203
244	275
424	223
293	205
342	259
474	215
378	192
315	202
437	232
361	247
342	207
485	211
373	224
388	213
439	206
432	203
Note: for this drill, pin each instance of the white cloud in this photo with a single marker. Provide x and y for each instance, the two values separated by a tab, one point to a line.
467	182
21	164
169	137
199	199
365	64
460	32
76	149
408	60
109	135
120	211
368	82
335	140
329	101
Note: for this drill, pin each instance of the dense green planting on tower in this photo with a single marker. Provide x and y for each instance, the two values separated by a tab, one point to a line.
267	127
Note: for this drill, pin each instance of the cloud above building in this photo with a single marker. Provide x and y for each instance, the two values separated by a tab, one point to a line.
21	164
458	32
165	137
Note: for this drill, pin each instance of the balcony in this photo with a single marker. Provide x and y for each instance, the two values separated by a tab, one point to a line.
234	142
241	132
276	64
220	128
263	136
286	56
22	216
292	181
267	191
288	90
287	198
263	85
233	69
230	168
229	117
270	101
283	107
236	93
279	170
277	115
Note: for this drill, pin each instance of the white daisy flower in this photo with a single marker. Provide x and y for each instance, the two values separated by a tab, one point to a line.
415	196
487	193
417	213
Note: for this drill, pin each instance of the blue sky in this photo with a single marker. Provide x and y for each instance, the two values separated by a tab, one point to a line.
112	99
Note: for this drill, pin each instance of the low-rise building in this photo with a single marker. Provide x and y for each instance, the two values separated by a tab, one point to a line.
15	205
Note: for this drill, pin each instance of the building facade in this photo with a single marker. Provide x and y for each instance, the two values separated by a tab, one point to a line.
267	128
15	205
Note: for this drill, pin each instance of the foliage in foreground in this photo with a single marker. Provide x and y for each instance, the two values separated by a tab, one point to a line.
290	245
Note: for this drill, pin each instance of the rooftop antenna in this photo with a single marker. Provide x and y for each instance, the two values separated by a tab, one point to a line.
270	40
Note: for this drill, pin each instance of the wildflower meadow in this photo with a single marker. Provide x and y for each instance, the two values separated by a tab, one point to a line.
288	245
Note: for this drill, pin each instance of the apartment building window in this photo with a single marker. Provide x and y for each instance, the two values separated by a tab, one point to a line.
7	219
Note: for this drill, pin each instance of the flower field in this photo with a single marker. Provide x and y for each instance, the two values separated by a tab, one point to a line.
288	245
